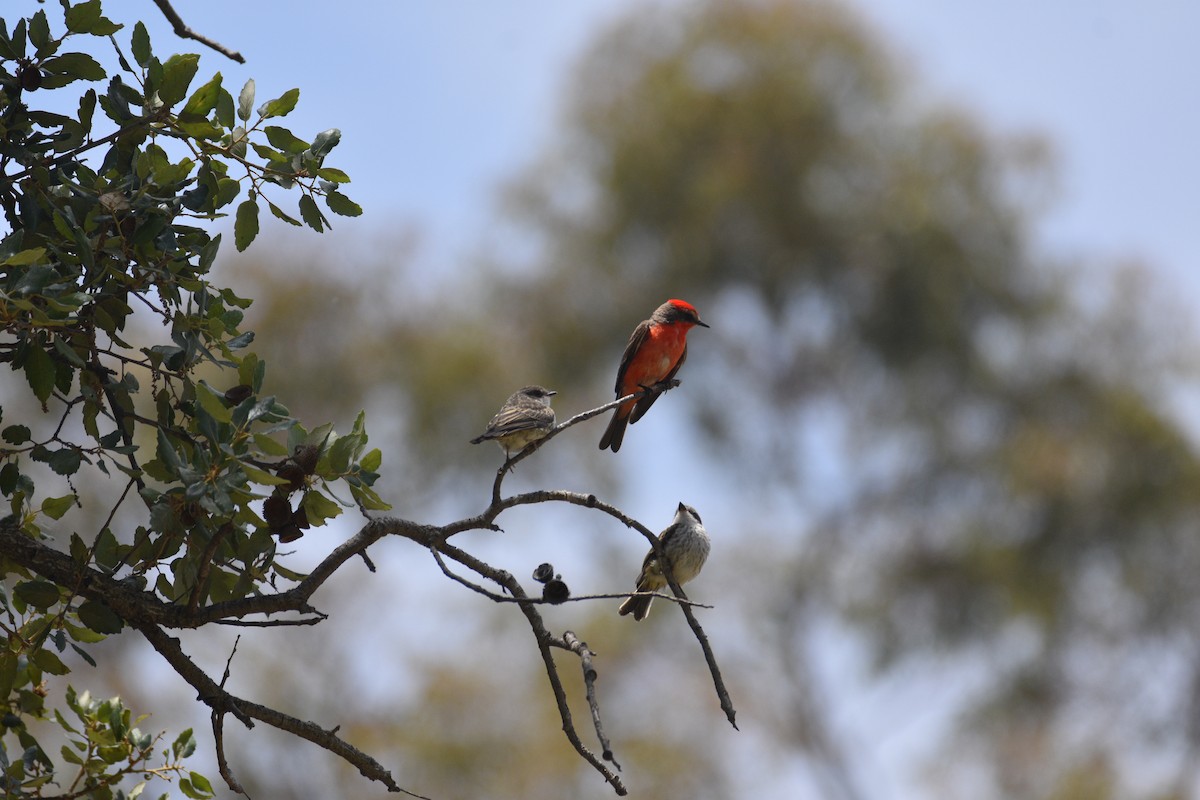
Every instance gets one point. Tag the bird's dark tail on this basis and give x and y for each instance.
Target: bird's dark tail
(614, 434)
(638, 606)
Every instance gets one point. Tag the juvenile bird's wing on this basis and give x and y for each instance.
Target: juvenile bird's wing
(518, 418)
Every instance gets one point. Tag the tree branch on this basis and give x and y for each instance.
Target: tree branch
(579, 647)
(222, 702)
(150, 615)
(184, 32)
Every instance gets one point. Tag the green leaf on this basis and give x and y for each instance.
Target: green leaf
(284, 139)
(246, 101)
(16, 434)
(167, 455)
(319, 508)
(65, 461)
(280, 214)
(141, 45)
(64, 350)
(55, 507)
(262, 477)
(225, 109)
(204, 99)
(39, 31)
(326, 141)
(184, 744)
(212, 403)
(280, 106)
(341, 452)
(372, 460)
(47, 662)
(269, 446)
(368, 499)
(25, 258)
(340, 204)
(310, 213)
(8, 671)
(99, 617)
(331, 174)
(37, 593)
(39, 371)
(245, 226)
(201, 783)
(74, 66)
(70, 756)
(177, 75)
(81, 18)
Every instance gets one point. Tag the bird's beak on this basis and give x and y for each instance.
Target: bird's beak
(681, 506)
(701, 323)
(550, 393)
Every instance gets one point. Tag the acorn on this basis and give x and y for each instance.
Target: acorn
(277, 511)
(555, 591)
(306, 457)
(237, 394)
(30, 77)
(292, 473)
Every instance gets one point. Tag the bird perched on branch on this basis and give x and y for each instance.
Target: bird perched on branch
(655, 352)
(685, 544)
(524, 418)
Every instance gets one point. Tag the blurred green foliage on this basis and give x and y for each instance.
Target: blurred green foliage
(1009, 483)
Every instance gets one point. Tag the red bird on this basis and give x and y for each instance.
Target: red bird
(656, 351)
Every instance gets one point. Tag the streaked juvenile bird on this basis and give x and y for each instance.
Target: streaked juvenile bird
(655, 352)
(524, 418)
(685, 544)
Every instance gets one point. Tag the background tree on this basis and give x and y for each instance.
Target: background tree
(942, 440)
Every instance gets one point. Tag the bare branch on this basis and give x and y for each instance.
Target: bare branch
(184, 32)
(702, 638)
(579, 647)
(222, 702)
(218, 726)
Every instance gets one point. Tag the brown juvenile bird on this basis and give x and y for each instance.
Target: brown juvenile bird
(524, 418)
(685, 544)
(655, 352)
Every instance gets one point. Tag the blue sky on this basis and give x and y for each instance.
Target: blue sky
(439, 102)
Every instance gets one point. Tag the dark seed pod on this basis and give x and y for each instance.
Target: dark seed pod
(306, 456)
(277, 511)
(543, 573)
(293, 474)
(237, 394)
(31, 78)
(555, 592)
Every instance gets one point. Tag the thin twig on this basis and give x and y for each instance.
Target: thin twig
(184, 32)
(702, 638)
(218, 726)
(543, 639)
(579, 647)
(219, 700)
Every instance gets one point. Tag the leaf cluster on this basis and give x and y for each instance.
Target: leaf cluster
(106, 209)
